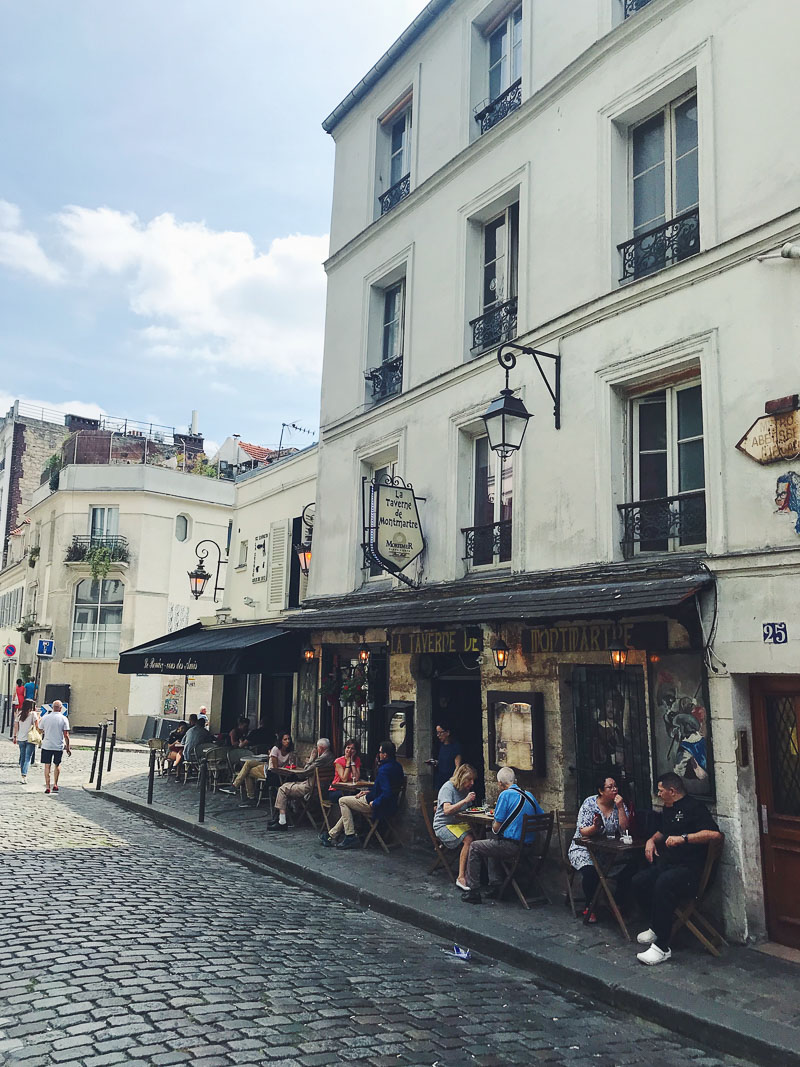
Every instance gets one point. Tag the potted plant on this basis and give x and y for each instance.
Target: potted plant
(330, 688)
(33, 555)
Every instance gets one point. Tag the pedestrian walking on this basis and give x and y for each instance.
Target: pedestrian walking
(55, 740)
(19, 695)
(24, 721)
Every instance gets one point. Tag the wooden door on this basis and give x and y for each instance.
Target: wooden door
(776, 731)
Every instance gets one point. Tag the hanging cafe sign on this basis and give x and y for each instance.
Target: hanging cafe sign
(392, 527)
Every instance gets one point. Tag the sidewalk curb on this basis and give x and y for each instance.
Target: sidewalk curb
(700, 1019)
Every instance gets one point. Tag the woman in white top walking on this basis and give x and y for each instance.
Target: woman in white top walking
(26, 718)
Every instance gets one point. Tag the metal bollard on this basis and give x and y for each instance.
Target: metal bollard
(202, 782)
(102, 755)
(113, 740)
(96, 750)
(150, 774)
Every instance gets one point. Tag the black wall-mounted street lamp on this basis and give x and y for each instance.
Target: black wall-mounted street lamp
(198, 578)
(304, 550)
(363, 653)
(506, 418)
(619, 655)
(308, 653)
(500, 652)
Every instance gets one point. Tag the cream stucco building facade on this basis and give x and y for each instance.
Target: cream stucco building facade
(599, 181)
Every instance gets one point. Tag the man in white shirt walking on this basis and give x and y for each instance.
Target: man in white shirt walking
(55, 739)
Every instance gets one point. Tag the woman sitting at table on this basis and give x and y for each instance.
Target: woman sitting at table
(253, 770)
(602, 815)
(346, 768)
(454, 796)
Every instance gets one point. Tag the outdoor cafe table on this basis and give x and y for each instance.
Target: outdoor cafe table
(606, 853)
(352, 787)
(478, 820)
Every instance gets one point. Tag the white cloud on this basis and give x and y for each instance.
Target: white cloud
(20, 249)
(209, 295)
(49, 409)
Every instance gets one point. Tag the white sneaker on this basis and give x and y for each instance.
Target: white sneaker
(462, 885)
(654, 955)
(23, 780)
(646, 937)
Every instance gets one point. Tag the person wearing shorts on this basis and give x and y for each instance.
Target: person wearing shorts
(55, 740)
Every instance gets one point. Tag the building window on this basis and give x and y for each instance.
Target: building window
(504, 45)
(386, 379)
(395, 146)
(665, 222)
(181, 528)
(242, 554)
(500, 256)
(97, 619)
(488, 541)
(103, 522)
(632, 6)
(668, 511)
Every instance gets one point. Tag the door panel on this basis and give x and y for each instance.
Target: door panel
(611, 732)
(776, 730)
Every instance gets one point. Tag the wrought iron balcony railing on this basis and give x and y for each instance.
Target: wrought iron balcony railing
(495, 327)
(393, 195)
(496, 110)
(665, 524)
(488, 544)
(386, 378)
(632, 6)
(658, 248)
(84, 544)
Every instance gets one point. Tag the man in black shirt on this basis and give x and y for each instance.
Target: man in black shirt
(676, 854)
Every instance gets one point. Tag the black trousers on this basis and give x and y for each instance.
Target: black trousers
(659, 889)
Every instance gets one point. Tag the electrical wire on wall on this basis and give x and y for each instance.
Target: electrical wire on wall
(709, 655)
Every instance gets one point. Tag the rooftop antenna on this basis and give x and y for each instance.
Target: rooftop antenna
(291, 426)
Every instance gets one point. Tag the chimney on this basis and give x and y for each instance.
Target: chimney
(194, 424)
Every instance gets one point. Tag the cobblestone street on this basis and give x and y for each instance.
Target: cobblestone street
(150, 948)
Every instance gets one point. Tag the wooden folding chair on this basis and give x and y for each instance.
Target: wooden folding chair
(565, 831)
(325, 805)
(528, 861)
(389, 838)
(443, 855)
(310, 805)
(688, 914)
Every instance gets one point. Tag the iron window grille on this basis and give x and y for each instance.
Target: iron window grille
(495, 327)
(487, 544)
(665, 524)
(495, 111)
(397, 192)
(386, 379)
(655, 249)
(632, 6)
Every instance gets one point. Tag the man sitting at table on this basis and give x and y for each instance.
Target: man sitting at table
(321, 757)
(378, 803)
(676, 855)
(511, 807)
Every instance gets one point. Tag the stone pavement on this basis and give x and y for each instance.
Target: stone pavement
(745, 1003)
(148, 948)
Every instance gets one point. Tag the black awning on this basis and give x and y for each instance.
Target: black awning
(579, 600)
(202, 649)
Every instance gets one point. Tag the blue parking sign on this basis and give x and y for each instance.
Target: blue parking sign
(45, 648)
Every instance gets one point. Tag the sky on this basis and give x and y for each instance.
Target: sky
(165, 192)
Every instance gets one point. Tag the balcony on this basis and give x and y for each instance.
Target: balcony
(665, 524)
(662, 246)
(495, 111)
(395, 193)
(85, 548)
(495, 327)
(632, 6)
(386, 379)
(485, 545)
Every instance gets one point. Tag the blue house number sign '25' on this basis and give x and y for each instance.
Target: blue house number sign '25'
(774, 633)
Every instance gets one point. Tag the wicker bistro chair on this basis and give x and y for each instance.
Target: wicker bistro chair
(688, 914)
(443, 855)
(565, 831)
(219, 769)
(311, 806)
(325, 805)
(384, 830)
(529, 859)
(159, 746)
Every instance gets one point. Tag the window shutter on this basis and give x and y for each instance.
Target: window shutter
(278, 566)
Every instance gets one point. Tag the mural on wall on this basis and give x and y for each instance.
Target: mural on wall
(787, 496)
(172, 697)
(681, 722)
